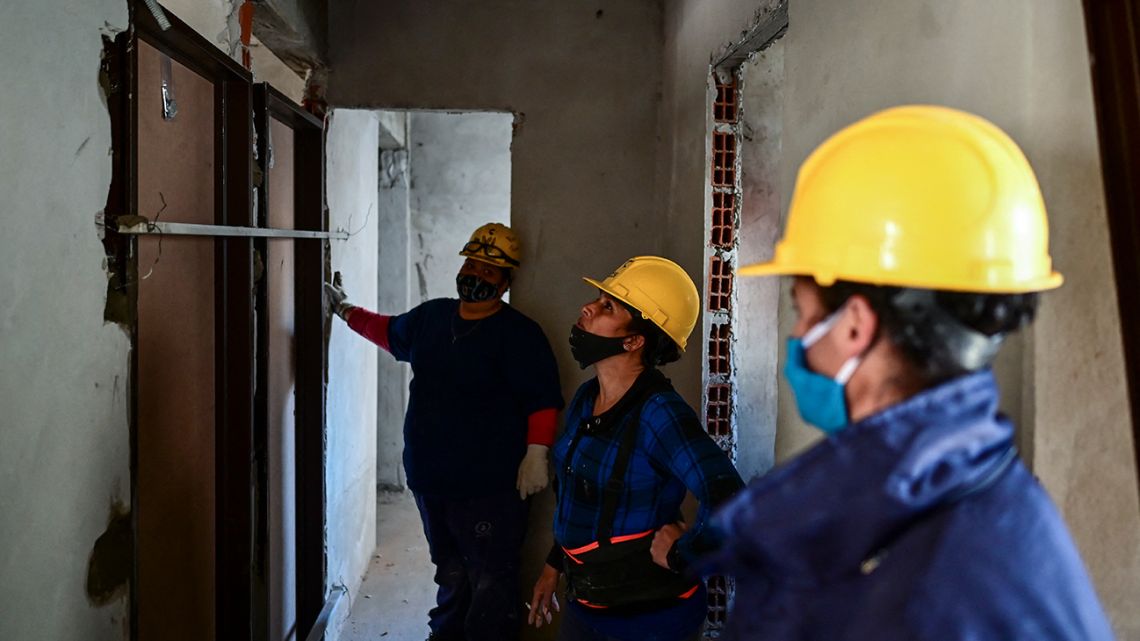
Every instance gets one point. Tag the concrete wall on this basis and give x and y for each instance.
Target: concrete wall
(393, 293)
(352, 150)
(582, 81)
(693, 32)
(758, 299)
(63, 384)
(1023, 65)
(460, 167)
(1082, 433)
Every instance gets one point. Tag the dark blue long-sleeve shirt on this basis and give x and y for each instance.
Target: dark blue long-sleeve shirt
(474, 385)
(917, 523)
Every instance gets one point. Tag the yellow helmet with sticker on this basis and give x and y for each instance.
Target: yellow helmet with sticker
(659, 289)
(496, 244)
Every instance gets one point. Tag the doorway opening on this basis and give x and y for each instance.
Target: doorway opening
(441, 175)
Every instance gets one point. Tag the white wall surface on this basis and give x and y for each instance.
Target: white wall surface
(63, 379)
(393, 281)
(352, 153)
(460, 167)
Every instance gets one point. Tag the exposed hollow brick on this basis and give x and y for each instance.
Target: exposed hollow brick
(718, 411)
(724, 107)
(723, 232)
(719, 345)
(720, 285)
(724, 159)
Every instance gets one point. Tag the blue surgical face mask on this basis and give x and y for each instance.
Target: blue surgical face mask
(820, 399)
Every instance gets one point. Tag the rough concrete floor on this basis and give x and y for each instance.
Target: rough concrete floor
(398, 590)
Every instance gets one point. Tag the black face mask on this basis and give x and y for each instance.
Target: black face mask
(473, 289)
(590, 348)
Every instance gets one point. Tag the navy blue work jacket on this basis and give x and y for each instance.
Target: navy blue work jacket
(918, 523)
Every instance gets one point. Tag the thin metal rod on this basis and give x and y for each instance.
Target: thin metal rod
(318, 631)
(190, 229)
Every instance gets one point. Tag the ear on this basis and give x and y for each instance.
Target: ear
(858, 327)
(633, 343)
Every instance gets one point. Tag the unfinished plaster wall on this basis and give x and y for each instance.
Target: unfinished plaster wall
(352, 153)
(63, 384)
(393, 293)
(757, 315)
(460, 166)
(1023, 65)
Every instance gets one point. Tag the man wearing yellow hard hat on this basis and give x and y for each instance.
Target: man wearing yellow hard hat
(917, 240)
(482, 413)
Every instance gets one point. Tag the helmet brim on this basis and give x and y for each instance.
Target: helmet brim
(616, 296)
(489, 261)
(1052, 280)
(610, 292)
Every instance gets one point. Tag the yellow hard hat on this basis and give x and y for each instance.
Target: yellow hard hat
(496, 244)
(659, 289)
(918, 196)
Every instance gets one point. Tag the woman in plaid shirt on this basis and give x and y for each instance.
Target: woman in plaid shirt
(631, 449)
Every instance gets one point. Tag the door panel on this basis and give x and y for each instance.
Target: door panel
(176, 358)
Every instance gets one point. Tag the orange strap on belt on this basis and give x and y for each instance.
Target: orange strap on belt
(595, 545)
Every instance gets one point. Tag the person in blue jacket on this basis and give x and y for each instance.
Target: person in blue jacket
(917, 239)
(482, 411)
(631, 449)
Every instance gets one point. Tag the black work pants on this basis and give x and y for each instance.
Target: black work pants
(474, 544)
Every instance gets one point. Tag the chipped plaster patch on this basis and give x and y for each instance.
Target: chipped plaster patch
(109, 567)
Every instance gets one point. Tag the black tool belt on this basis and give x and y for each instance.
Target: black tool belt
(621, 577)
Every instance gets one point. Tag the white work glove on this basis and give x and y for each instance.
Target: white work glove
(334, 292)
(532, 471)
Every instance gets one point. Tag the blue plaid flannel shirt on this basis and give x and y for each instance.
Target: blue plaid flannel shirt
(672, 454)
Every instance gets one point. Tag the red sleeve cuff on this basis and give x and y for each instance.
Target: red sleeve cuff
(370, 325)
(540, 427)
